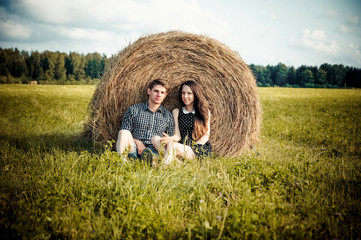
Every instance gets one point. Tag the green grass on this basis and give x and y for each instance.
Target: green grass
(302, 182)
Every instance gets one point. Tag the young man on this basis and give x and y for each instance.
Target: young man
(143, 121)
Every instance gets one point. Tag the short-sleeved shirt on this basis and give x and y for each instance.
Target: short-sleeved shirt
(145, 124)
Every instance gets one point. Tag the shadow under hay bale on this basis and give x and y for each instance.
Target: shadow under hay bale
(228, 84)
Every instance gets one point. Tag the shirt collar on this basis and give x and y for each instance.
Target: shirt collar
(160, 109)
(186, 112)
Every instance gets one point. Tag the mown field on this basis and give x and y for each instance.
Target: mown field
(302, 182)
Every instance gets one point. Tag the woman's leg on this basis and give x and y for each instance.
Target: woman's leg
(156, 143)
(175, 150)
(184, 151)
(169, 155)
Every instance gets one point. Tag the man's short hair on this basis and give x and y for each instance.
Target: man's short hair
(158, 81)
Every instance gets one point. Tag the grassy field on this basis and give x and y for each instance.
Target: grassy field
(302, 182)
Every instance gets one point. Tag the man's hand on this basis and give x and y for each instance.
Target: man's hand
(140, 146)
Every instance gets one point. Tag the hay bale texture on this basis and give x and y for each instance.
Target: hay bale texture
(228, 84)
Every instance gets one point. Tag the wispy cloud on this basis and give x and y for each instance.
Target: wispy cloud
(332, 13)
(111, 23)
(273, 16)
(259, 30)
(86, 34)
(354, 20)
(345, 29)
(316, 40)
(154, 14)
(356, 53)
(11, 30)
(351, 25)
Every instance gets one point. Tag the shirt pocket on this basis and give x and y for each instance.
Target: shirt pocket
(141, 124)
(162, 124)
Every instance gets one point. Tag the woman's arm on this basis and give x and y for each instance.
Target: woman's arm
(202, 140)
(176, 137)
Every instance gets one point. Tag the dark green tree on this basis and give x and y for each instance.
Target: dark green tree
(59, 66)
(48, 65)
(280, 75)
(18, 66)
(306, 78)
(292, 76)
(321, 77)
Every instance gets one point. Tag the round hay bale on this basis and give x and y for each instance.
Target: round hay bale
(228, 84)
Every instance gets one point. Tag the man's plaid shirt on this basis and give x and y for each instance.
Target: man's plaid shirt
(144, 124)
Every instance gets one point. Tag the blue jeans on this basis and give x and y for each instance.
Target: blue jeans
(134, 154)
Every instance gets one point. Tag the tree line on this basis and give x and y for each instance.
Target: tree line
(61, 68)
(325, 76)
(50, 67)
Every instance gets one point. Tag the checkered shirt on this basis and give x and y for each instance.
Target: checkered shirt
(145, 124)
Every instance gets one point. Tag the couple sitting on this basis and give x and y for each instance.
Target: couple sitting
(149, 128)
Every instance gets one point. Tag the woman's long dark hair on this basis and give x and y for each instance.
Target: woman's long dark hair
(200, 108)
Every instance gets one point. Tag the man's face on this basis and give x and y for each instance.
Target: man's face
(157, 94)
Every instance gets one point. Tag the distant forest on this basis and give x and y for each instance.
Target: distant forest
(50, 67)
(61, 68)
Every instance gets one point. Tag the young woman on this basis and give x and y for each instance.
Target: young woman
(192, 126)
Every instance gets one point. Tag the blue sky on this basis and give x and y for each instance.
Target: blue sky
(294, 32)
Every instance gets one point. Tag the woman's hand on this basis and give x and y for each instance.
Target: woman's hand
(166, 139)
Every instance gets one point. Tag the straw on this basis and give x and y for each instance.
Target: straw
(227, 82)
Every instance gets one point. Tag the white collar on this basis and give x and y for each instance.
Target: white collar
(186, 112)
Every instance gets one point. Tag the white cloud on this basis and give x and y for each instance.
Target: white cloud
(354, 20)
(186, 15)
(345, 29)
(332, 13)
(84, 24)
(86, 34)
(79, 11)
(10, 29)
(153, 15)
(347, 18)
(109, 25)
(317, 40)
(354, 47)
(273, 16)
(13, 30)
(46, 11)
(355, 51)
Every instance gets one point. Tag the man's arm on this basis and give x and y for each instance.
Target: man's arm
(170, 128)
(172, 136)
(140, 145)
(127, 123)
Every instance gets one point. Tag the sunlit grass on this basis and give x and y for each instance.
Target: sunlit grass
(302, 181)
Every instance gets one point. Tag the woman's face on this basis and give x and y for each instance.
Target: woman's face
(187, 95)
